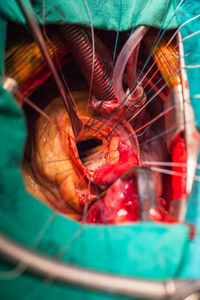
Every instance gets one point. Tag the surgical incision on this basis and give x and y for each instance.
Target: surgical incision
(85, 177)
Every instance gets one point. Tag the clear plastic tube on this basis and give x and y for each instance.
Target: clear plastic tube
(132, 66)
(125, 54)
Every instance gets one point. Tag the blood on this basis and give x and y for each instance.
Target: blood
(179, 156)
(120, 205)
(105, 107)
(108, 173)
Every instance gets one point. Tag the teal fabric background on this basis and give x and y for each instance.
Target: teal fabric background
(144, 250)
(104, 13)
